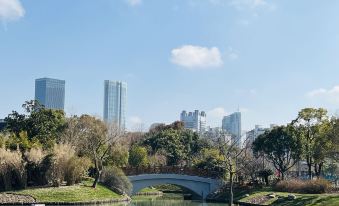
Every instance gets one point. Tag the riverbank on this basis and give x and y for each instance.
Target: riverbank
(266, 196)
(82, 193)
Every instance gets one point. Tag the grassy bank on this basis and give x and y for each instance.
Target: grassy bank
(78, 193)
(281, 199)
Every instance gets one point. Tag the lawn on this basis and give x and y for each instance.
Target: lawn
(78, 193)
(301, 199)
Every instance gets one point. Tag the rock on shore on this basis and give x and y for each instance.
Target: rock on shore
(15, 198)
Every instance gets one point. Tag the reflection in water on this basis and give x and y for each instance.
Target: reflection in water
(166, 200)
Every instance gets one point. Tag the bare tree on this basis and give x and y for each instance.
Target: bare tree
(230, 150)
(94, 138)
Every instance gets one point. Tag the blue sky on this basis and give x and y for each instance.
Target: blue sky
(270, 58)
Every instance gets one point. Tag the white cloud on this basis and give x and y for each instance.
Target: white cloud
(232, 54)
(135, 120)
(11, 10)
(214, 116)
(134, 2)
(330, 95)
(196, 57)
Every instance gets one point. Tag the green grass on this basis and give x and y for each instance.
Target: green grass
(78, 193)
(149, 190)
(301, 199)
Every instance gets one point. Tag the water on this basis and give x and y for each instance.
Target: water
(166, 200)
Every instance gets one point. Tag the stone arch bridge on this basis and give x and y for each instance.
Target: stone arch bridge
(200, 182)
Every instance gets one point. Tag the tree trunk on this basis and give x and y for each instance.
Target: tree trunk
(317, 169)
(97, 177)
(266, 180)
(282, 175)
(309, 165)
(231, 187)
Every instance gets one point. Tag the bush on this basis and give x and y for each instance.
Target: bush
(34, 158)
(138, 156)
(115, 179)
(12, 170)
(76, 169)
(64, 165)
(304, 186)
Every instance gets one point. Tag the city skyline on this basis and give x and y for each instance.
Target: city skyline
(175, 55)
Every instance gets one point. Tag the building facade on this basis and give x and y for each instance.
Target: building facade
(50, 93)
(258, 130)
(232, 125)
(195, 121)
(254, 133)
(115, 94)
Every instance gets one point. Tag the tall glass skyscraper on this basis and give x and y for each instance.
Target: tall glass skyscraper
(50, 93)
(232, 124)
(115, 103)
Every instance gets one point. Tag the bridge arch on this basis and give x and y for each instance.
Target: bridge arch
(200, 186)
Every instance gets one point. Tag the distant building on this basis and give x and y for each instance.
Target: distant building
(232, 124)
(154, 125)
(195, 121)
(115, 93)
(257, 131)
(254, 133)
(50, 93)
(216, 133)
(2, 124)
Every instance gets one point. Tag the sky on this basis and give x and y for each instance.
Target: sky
(267, 58)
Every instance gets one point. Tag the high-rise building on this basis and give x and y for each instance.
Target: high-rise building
(50, 93)
(232, 124)
(195, 121)
(115, 103)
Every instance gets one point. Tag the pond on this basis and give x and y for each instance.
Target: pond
(166, 200)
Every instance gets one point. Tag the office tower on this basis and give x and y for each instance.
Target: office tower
(50, 93)
(115, 103)
(195, 121)
(232, 124)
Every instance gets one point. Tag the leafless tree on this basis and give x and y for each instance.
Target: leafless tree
(94, 138)
(231, 152)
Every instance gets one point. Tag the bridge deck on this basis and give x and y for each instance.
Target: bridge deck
(214, 174)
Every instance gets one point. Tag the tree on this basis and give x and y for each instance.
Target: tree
(231, 153)
(178, 144)
(96, 140)
(265, 173)
(210, 159)
(40, 123)
(280, 146)
(137, 156)
(312, 125)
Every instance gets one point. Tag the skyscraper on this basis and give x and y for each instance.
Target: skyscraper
(115, 103)
(232, 124)
(195, 121)
(50, 93)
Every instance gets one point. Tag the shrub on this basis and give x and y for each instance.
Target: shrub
(76, 169)
(35, 174)
(115, 179)
(12, 170)
(303, 186)
(138, 156)
(62, 154)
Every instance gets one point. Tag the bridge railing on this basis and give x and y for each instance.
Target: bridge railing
(130, 171)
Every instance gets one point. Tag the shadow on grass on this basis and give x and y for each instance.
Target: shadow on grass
(307, 200)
